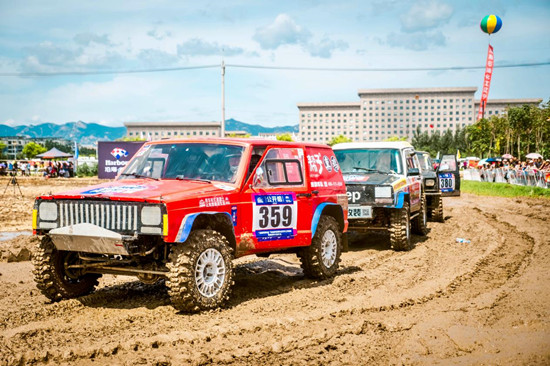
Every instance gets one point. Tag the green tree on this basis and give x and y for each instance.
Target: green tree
(338, 140)
(127, 138)
(2, 148)
(284, 137)
(396, 138)
(32, 149)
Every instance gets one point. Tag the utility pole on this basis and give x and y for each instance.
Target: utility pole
(222, 127)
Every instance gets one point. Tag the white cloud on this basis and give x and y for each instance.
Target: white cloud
(326, 47)
(156, 58)
(158, 35)
(85, 39)
(425, 14)
(282, 31)
(198, 47)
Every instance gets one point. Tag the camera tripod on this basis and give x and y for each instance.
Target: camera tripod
(13, 181)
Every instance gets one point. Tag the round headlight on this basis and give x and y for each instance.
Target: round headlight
(430, 182)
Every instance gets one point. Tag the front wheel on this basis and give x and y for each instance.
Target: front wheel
(55, 275)
(437, 212)
(420, 222)
(320, 260)
(400, 233)
(201, 272)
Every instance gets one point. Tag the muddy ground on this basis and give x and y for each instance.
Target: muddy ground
(486, 302)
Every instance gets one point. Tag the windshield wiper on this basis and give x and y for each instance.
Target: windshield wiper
(373, 170)
(139, 176)
(181, 177)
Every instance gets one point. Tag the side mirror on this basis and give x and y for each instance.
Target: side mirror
(413, 171)
(259, 176)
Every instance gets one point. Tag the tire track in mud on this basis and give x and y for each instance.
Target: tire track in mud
(332, 328)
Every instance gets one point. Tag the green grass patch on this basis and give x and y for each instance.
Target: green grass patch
(502, 189)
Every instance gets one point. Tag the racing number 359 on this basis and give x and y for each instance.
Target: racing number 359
(275, 216)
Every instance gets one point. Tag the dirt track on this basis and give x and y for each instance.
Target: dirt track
(487, 302)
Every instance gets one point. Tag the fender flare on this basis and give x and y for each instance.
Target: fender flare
(189, 220)
(317, 215)
(400, 199)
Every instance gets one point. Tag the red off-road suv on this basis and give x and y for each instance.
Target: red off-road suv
(182, 210)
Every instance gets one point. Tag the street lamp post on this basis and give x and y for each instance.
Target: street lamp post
(222, 126)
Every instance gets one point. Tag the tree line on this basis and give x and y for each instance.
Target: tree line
(522, 130)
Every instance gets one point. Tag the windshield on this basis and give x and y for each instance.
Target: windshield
(186, 161)
(426, 164)
(369, 160)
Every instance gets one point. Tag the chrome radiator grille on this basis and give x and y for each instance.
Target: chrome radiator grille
(114, 216)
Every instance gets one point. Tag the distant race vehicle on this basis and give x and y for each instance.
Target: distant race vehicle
(449, 176)
(384, 189)
(432, 189)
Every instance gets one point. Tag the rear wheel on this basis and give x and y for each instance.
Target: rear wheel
(400, 233)
(201, 272)
(419, 223)
(320, 260)
(53, 275)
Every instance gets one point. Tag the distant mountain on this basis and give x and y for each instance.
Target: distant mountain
(90, 133)
(234, 125)
(84, 133)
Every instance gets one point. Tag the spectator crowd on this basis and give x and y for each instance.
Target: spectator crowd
(47, 169)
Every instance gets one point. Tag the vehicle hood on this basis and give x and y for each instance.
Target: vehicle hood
(147, 190)
(374, 179)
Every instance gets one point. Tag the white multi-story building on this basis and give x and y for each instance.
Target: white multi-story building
(384, 113)
(498, 107)
(162, 130)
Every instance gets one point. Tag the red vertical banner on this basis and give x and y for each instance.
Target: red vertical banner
(486, 82)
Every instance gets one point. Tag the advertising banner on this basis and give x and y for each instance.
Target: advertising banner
(486, 82)
(113, 156)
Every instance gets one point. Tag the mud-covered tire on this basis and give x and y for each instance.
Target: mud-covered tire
(320, 260)
(400, 234)
(200, 272)
(53, 279)
(437, 212)
(420, 222)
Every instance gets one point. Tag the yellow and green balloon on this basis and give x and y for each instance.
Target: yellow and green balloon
(491, 24)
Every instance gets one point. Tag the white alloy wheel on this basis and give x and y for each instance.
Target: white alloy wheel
(329, 247)
(210, 272)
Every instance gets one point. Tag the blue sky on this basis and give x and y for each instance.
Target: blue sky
(58, 36)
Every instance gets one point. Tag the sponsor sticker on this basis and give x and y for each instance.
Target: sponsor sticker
(355, 178)
(335, 164)
(143, 150)
(117, 189)
(328, 164)
(214, 201)
(274, 216)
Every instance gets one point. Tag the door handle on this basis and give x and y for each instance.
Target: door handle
(308, 195)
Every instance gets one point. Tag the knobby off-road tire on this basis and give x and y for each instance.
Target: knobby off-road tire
(437, 212)
(400, 234)
(53, 279)
(200, 272)
(320, 260)
(420, 222)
